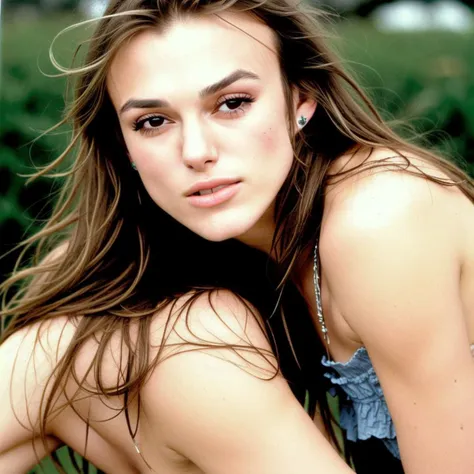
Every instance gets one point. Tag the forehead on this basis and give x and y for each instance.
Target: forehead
(190, 54)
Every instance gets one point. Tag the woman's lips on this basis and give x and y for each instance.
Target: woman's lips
(216, 196)
(209, 185)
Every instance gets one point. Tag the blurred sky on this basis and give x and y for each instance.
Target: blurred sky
(412, 15)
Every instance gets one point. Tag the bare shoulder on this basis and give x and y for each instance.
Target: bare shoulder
(208, 395)
(389, 242)
(216, 354)
(382, 200)
(217, 322)
(380, 172)
(28, 358)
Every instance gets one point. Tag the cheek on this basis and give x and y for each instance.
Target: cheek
(155, 172)
(274, 136)
(269, 140)
(275, 142)
(150, 160)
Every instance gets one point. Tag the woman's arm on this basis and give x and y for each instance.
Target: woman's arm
(392, 258)
(218, 409)
(24, 374)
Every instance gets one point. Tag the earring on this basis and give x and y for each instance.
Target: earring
(134, 166)
(302, 121)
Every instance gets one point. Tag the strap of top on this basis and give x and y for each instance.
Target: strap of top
(317, 293)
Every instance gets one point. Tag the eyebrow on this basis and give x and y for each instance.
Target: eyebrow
(207, 91)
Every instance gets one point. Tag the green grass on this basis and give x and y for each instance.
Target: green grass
(426, 77)
(400, 55)
(47, 466)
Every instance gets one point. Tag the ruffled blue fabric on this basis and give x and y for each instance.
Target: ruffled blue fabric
(364, 412)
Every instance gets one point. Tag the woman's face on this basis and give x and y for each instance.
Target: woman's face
(203, 115)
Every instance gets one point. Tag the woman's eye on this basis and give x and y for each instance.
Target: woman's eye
(234, 104)
(149, 123)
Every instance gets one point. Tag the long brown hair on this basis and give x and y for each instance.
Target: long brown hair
(110, 255)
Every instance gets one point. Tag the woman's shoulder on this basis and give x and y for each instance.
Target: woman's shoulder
(208, 396)
(366, 214)
(202, 334)
(214, 321)
(389, 241)
(379, 190)
(31, 353)
(379, 173)
(28, 358)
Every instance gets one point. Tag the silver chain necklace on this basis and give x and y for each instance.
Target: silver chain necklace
(317, 291)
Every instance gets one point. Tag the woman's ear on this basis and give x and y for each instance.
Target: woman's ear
(304, 108)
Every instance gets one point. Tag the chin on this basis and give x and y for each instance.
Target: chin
(218, 232)
(218, 235)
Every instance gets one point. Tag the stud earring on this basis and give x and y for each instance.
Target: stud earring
(134, 166)
(302, 121)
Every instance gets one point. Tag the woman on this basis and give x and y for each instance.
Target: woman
(210, 136)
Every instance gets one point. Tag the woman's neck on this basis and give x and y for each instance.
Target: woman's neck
(260, 236)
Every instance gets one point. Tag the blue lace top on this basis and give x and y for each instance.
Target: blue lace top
(363, 412)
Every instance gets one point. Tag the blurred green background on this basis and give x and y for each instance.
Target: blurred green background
(426, 77)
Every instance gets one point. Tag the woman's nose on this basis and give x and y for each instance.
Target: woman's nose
(198, 150)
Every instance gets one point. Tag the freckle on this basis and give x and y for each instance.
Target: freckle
(455, 381)
(462, 428)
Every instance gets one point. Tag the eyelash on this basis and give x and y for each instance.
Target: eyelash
(245, 99)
